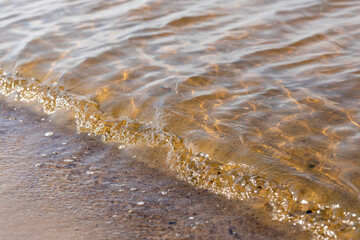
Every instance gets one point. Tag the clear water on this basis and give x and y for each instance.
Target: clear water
(252, 99)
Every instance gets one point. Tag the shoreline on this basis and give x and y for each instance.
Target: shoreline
(73, 186)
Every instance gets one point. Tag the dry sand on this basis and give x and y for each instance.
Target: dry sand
(73, 186)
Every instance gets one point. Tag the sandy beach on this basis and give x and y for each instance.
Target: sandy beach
(56, 184)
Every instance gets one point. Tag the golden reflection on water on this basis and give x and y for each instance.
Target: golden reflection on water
(272, 85)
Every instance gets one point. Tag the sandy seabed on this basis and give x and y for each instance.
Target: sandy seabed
(73, 186)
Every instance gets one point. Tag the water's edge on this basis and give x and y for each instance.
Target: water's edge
(235, 181)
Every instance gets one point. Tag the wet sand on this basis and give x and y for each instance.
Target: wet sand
(71, 186)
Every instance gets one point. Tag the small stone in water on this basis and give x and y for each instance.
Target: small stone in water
(140, 203)
(121, 146)
(163, 193)
(49, 134)
(64, 143)
(133, 189)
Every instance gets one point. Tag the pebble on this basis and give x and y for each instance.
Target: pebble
(134, 156)
(64, 143)
(133, 189)
(140, 203)
(49, 134)
(191, 218)
(121, 146)
(90, 172)
(69, 160)
(164, 193)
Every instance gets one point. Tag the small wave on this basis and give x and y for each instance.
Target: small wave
(236, 181)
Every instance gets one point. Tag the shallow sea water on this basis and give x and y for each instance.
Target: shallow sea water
(252, 99)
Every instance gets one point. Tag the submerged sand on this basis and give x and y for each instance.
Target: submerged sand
(70, 186)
